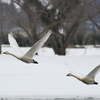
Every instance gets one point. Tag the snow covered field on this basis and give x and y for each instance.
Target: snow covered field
(48, 78)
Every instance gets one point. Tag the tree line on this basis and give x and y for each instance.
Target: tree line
(71, 21)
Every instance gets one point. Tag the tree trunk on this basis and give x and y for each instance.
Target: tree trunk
(58, 47)
(71, 33)
(0, 45)
(0, 49)
(62, 51)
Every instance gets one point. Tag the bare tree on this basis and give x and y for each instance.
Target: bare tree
(28, 17)
(63, 17)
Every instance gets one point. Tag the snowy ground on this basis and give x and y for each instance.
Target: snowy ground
(48, 78)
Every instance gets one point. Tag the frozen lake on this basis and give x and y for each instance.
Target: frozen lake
(48, 80)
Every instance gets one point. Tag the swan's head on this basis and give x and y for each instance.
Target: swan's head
(35, 61)
(69, 74)
(6, 52)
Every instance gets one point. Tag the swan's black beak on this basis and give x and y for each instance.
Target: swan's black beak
(68, 74)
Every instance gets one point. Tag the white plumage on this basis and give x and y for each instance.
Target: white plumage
(27, 57)
(87, 79)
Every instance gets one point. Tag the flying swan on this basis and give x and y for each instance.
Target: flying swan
(27, 58)
(87, 79)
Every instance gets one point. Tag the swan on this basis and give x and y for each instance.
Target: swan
(27, 58)
(87, 79)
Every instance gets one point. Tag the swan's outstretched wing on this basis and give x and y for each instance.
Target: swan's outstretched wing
(14, 45)
(93, 73)
(74, 72)
(38, 45)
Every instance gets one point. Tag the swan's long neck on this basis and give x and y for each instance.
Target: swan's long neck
(13, 55)
(75, 76)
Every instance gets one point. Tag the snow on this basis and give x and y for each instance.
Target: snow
(48, 78)
(83, 51)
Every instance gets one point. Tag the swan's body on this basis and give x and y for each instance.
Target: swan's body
(27, 58)
(87, 79)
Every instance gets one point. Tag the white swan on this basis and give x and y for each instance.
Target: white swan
(27, 58)
(87, 79)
